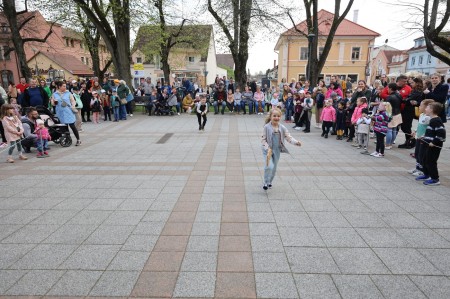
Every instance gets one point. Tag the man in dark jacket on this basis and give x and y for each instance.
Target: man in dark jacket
(34, 96)
(29, 126)
(85, 96)
(220, 99)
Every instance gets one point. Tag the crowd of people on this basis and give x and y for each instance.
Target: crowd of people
(72, 102)
(378, 110)
(352, 111)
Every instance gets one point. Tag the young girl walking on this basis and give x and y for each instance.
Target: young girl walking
(96, 107)
(202, 109)
(273, 137)
(43, 137)
(13, 131)
(380, 127)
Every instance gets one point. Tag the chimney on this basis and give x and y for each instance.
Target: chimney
(355, 16)
(274, 63)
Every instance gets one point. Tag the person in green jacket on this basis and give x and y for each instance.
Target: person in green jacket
(122, 92)
(47, 91)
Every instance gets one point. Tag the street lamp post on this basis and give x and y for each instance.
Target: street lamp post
(310, 44)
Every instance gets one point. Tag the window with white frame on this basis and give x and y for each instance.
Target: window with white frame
(87, 61)
(138, 59)
(356, 53)
(413, 61)
(320, 52)
(429, 59)
(304, 53)
(82, 59)
(420, 59)
(191, 59)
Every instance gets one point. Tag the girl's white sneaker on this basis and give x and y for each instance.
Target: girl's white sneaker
(374, 154)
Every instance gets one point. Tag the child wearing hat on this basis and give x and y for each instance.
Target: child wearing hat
(43, 137)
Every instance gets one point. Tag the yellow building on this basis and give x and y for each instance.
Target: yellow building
(349, 54)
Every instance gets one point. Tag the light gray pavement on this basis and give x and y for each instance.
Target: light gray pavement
(124, 215)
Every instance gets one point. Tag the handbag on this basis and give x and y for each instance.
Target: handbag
(396, 120)
(123, 101)
(129, 97)
(416, 112)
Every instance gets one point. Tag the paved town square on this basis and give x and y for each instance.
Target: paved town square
(153, 208)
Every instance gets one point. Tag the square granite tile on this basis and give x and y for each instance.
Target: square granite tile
(406, 261)
(356, 286)
(397, 286)
(195, 284)
(311, 260)
(316, 286)
(36, 282)
(75, 283)
(275, 285)
(115, 283)
(358, 261)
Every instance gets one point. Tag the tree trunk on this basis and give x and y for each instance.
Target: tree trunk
(240, 73)
(118, 40)
(165, 66)
(9, 8)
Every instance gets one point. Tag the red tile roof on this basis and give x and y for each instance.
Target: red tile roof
(346, 28)
(68, 62)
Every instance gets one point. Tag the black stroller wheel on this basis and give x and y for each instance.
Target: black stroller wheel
(65, 141)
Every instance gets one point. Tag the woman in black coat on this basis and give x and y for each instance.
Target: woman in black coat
(438, 92)
(408, 113)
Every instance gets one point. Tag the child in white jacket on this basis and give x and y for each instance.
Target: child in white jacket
(363, 129)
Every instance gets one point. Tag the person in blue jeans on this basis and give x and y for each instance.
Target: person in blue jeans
(289, 106)
(247, 98)
(115, 104)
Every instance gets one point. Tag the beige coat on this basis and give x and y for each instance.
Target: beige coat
(10, 126)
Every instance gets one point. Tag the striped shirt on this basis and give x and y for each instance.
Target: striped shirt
(435, 132)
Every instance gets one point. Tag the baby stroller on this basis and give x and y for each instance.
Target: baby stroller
(59, 132)
(163, 108)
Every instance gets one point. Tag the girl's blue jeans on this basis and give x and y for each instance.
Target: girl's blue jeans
(116, 113)
(271, 169)
(391, 135)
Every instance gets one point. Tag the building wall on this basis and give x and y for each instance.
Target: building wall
(339, 61)
(378, 66)
(56, 43)
(428, 65)
(180, 65)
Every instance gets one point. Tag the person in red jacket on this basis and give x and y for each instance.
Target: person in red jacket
(407, 115)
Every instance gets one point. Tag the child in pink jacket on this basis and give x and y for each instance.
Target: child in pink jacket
(361, 103)
(328, 117)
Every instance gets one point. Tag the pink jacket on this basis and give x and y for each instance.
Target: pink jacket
(43, 133)
(258, 96)
(358, 113)
(338, 91)
(328, 114)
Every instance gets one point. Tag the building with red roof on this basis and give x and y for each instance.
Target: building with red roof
(349, 54)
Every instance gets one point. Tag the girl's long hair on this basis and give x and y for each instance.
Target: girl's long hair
(5, 109)
(419, 84)
(388, 107)
(268, 117)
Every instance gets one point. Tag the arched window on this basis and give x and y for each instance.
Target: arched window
(7, 76)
